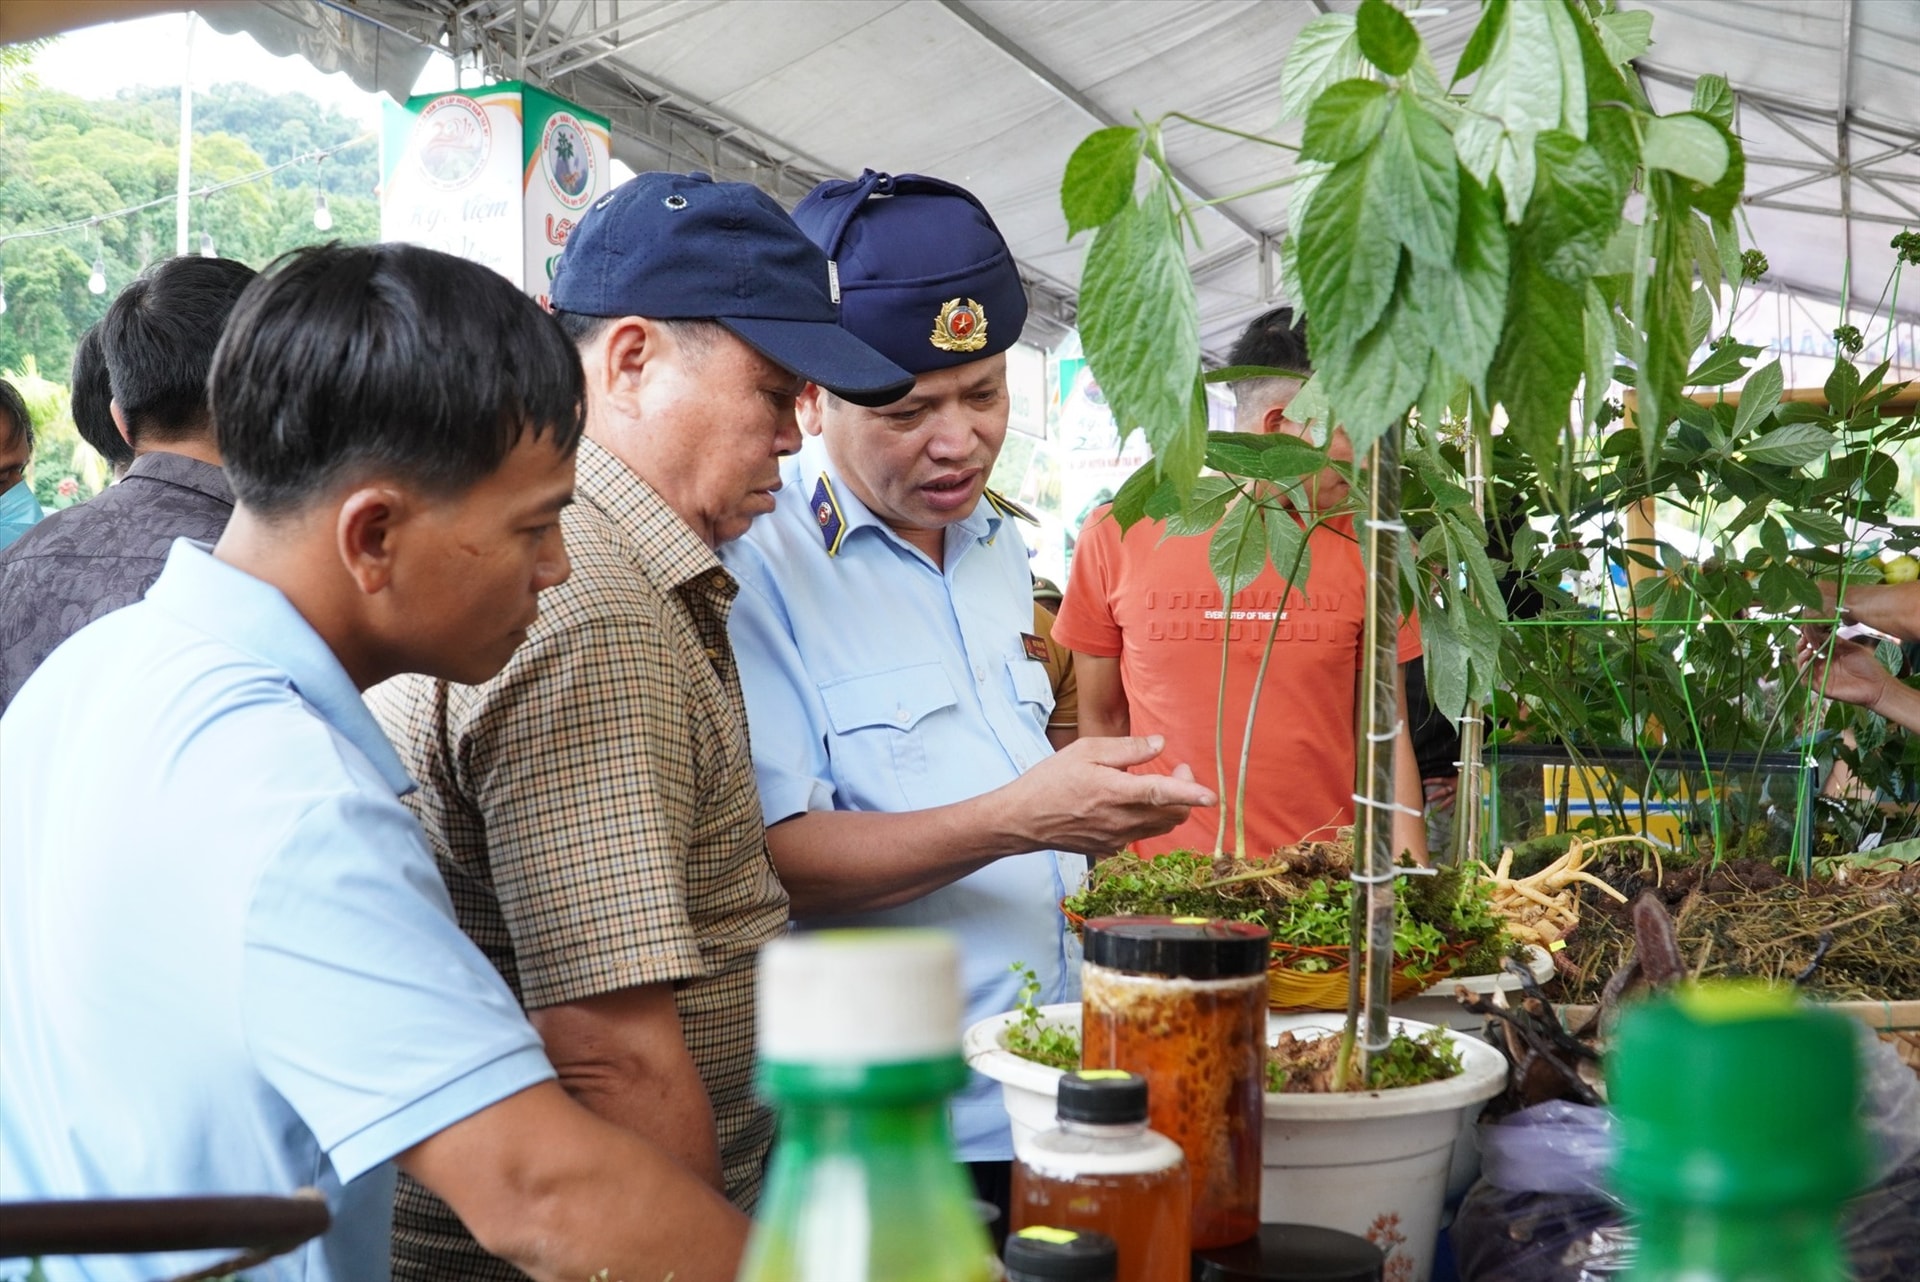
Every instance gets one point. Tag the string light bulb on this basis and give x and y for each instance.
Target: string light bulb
(206, 245)
(322, 216)
(97, 283)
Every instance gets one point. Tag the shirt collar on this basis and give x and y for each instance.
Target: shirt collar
(253, 616)
(667, 550)
(188, 473)
(813, 463)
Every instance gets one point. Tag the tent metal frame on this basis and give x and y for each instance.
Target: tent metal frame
(573, 47)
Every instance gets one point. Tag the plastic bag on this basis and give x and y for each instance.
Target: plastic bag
(1540, 1211)
(1556, 1147)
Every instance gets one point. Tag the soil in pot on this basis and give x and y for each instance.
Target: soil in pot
(1306, 1065)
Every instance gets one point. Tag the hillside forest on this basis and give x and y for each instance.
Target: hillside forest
(65, 159)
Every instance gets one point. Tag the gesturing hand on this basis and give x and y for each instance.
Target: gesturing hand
(1082, 799)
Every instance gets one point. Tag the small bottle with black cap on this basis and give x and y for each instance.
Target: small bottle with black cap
(1102, 1169)
(1042, 1253)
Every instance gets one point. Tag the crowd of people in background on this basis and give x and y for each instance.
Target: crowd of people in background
(408, 756)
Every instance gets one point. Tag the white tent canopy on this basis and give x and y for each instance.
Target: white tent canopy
(995, 94)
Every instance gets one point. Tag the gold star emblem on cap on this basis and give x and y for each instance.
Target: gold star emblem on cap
(961, 326)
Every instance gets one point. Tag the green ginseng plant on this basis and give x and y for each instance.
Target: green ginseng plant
(1460, 249)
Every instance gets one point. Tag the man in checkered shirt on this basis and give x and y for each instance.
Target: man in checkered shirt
(593, 808)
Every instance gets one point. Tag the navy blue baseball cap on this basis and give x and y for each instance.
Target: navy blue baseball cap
(923, 274)
(684, 247)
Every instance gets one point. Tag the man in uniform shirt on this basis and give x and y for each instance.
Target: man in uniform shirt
(593, 807)
(243, 975)
(898, 695)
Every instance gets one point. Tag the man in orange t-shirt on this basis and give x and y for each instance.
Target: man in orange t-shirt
(1143, 619)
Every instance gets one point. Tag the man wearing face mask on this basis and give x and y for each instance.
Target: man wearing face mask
(897, 693)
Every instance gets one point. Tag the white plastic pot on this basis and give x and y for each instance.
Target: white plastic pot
(1027, 1088)
(1437, 1005)
(1374, 1164)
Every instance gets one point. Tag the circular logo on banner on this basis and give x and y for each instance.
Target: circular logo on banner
(567, 155)
(455, 141)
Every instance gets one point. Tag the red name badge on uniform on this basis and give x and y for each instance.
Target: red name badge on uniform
(1036, 647)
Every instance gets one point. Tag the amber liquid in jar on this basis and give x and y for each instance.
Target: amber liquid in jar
(1201, 1045)
(1145, 1213)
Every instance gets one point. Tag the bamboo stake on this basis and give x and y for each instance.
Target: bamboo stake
(1467, 818)
(1380, 728)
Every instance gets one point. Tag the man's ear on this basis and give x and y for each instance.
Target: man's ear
(1273, 420)
(616, 362)
(811, 408)
(368, 532)
(120, 421)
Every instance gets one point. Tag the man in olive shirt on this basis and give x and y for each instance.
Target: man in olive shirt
(593, 807)
(95, 557)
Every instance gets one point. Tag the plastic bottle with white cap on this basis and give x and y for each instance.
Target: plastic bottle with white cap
(859, 1045)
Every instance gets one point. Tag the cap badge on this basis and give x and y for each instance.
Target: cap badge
(961, 327)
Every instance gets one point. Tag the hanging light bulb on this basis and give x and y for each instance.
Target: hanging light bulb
(97, 283)
(3, 298)
(322, 216)
(206, 245)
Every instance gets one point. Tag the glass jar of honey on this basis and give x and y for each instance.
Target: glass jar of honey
(1183, 1003)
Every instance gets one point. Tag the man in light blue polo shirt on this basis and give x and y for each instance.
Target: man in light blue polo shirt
(896, 695)
(243, 974)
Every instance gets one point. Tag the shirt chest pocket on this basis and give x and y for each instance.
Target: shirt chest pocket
(882, 725)
(1032, 689)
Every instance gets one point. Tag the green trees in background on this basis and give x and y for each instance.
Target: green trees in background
(64, 159)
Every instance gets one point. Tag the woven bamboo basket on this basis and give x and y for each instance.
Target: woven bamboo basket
(1291, 989)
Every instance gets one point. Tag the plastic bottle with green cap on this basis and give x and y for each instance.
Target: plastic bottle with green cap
(859, 1041)
(1740, 1136)
(1040, 1253)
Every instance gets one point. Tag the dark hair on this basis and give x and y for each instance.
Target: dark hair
(1273, 340)
(93, 400)
(13, 408)
(344, 361)
(159, 337)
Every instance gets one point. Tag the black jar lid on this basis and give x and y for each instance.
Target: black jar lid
(1293, 1253)
(1102, 1097)
(1177, 947)
(1060, 1255)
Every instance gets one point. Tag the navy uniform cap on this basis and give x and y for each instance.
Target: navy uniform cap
(682, 246)
(924, 276)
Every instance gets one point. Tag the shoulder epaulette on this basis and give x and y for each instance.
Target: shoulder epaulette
(825, 506)
(1007, 507)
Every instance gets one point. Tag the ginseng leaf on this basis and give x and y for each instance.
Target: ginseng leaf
(1795, 445)
(1326, 51)
(1347, 256)
(1344, 120)
(1686, 144)
(1141, 328)
(1237, 552)
(1287, 547)
(1099, 177)
(1387, 39)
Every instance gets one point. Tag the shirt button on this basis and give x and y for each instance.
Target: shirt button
(979, 673)
(901, 716)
